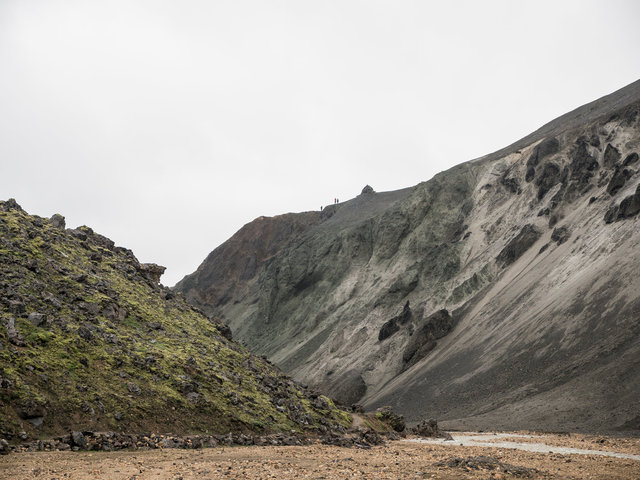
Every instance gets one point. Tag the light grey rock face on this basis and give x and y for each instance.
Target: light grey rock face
(502, 293)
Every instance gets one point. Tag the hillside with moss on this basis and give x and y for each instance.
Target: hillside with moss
(89, 340)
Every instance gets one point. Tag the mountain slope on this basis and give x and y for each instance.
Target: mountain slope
(90, 341)
(499, 293)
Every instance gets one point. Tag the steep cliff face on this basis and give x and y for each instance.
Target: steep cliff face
(501, 292)
(231, 268)
(90, 341)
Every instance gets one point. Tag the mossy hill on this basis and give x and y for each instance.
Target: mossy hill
(90, 341)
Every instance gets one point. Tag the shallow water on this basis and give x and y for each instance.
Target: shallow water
(487, 440)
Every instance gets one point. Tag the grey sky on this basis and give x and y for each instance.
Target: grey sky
(167, 125)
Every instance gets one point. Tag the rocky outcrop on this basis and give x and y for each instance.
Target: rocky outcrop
(611, 156)
(618, 179)
(424, 338)
(547, 147)
(528, 235)
(548, 178)
(512, 246)
(151, 272)
(582, 167)
(631, 159)
(628, 207)
(393, 325)
(58, 221)
(429, 429)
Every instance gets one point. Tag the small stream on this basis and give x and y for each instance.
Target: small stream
(497, 440)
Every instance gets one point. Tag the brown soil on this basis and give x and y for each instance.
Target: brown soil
(395, 460)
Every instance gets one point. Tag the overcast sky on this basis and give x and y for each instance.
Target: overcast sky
(167, 125)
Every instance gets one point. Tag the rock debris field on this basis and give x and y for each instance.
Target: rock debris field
(401, 459)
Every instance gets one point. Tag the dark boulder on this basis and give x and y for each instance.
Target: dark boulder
(368, 189)
(611, 214)
(548, 178)
(79, 234)
(151, 272)
(582, 165)
(630, 206)
(388, 328)
(619, 178)
(392, 326)
(530, 175)
(78, 439)
(423, 340)
(58, 221)
(547, 147)
(518, 245)
(611, 156)
(630, 160)
(102, 241)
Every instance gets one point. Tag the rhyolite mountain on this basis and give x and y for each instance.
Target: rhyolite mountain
(502, 293)
(89, 340)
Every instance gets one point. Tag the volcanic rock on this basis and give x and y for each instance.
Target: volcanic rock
(58, 221)
(619, 178)
(316, 292)
(528, 235)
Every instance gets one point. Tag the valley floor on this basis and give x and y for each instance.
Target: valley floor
(404, 459)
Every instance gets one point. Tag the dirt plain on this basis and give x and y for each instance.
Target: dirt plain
(394, 460)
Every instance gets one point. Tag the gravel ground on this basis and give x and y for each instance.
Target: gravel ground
(395, 460)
